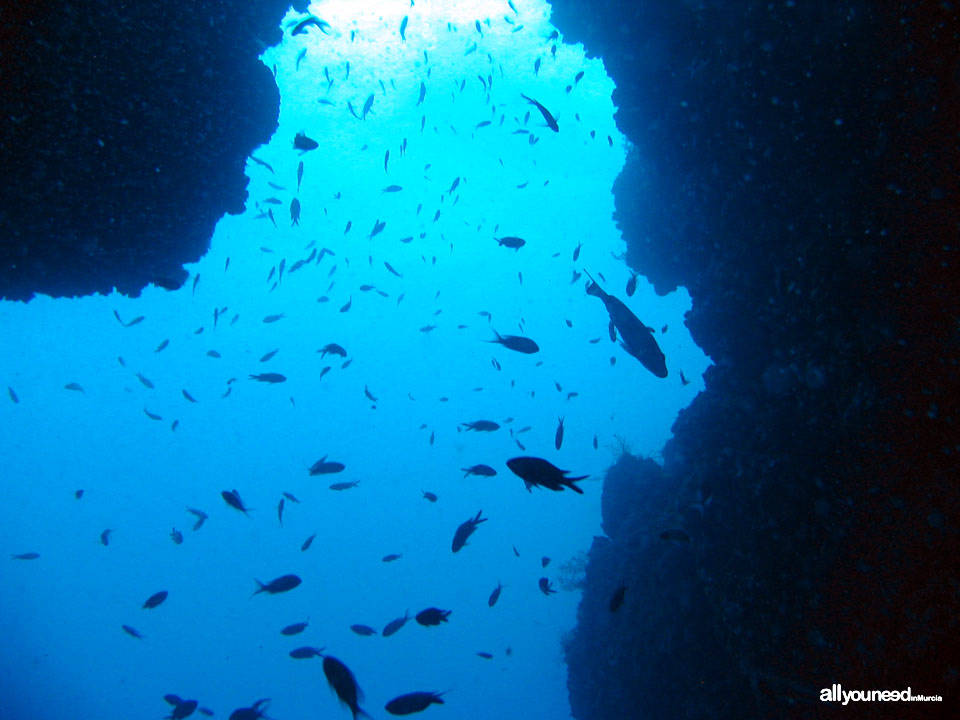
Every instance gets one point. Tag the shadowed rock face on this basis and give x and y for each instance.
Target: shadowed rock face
(792, 170)
(125, 136)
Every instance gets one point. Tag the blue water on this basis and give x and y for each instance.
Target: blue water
(64, 652)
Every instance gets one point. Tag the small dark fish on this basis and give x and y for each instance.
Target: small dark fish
(25, 556)
(595, 442)
(268, 355)
(304, 653)
(423, 94)
(183, 709)
(152, 416)
(576, 251)
(200, 515)
(280, 512)
(432, 616)
(162, 345)
(78, 494)
(307, 543)
(683, 379)
(272, 378)
(485, 655)
(132, 632)
(545, 587)
(391, 557)
(176, 536)
(394, 625)
(390, 269)
(429, 496)
(481, 426)
(676, 535)
(378, 227)
(303, 25)
(346, 306)
(232, 498)
(344, 684)
(495, 595)
(367, 107)
(139, 319)
(403, 28)
(105, 537)
(272, 219)
(75, 387)
(392, 188)
(413, 702)
(269, 319)
(155, 599)
(145, 381)
(632, 284)
(282, 584)
(303, 143)
(295, 629)
(558, 437)
(325, 467)
(635, 337)
(513, 243)
(482, 470)
(344, 485)
(294, 212)
(188, 396)
(544, 561)
(300, 166)
(363, 630)
(465, 530)
(516, 343)
(538, 472)
(617, 599)
(300, 56)
(370, 397)
(547, 117)
(332, 349)
(260, 162)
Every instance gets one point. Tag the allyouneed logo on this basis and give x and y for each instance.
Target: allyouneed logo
(836, 693)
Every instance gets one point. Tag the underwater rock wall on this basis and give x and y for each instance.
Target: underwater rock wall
(125, 135)
(791, 168)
